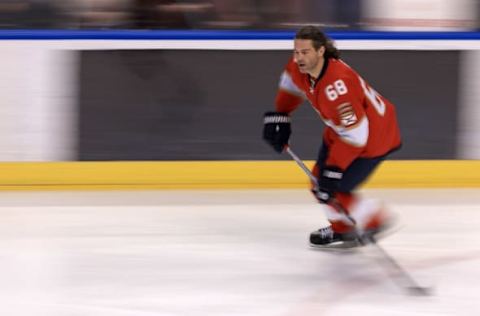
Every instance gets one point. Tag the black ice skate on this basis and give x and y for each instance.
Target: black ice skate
(327, 238)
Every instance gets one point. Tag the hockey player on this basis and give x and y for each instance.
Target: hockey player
(361, 129)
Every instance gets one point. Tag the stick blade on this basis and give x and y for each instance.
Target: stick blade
(420, 291)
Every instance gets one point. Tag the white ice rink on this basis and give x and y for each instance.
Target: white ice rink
(229, 253)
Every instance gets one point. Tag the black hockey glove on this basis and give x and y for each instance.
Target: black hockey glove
(276, 129)
(328, 183)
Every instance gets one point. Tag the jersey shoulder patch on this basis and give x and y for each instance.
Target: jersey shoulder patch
(347, 114)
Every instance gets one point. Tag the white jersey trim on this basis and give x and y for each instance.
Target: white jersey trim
(286, 83)
(356, 135)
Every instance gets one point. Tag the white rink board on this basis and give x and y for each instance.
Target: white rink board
(204, 253)
(39, 88)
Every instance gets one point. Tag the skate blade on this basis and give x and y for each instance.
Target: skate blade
(342, 245)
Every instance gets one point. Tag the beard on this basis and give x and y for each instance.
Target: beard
(306, 68)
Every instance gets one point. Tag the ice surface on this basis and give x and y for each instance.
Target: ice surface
(235, 252)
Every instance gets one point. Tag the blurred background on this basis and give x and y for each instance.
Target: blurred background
(150, 100)
(248, 14)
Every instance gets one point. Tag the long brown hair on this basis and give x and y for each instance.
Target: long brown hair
(318, 39)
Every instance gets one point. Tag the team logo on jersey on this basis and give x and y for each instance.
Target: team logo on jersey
(347, 114)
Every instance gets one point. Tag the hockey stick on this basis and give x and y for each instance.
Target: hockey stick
(315, 181)
(408, 282)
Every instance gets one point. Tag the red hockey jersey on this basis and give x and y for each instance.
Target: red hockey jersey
(359, 121)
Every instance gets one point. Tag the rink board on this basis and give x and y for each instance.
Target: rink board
(168, 106)
(222, 175)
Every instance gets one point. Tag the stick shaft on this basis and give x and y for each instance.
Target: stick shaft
(307, 171)
(302, 165)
